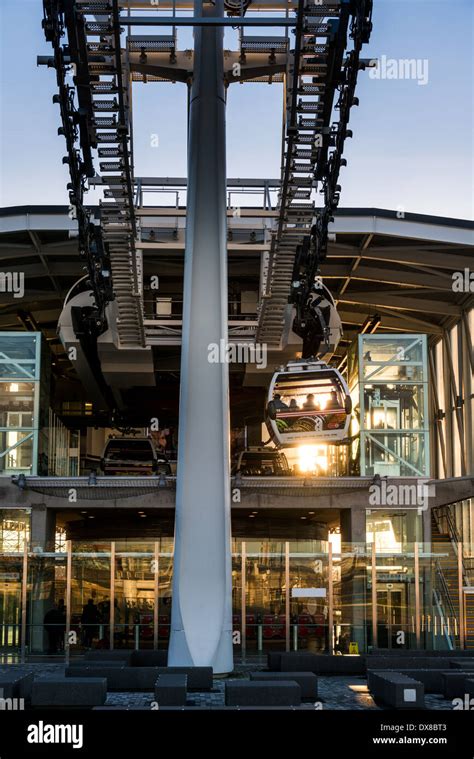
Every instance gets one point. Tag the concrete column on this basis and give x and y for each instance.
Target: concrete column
(41, 575)
(42, 528)
(353, 576)
(201, 621)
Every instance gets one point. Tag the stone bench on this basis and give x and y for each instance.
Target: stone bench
(199, 678)
(119, 678)
(81, 663)
(419, 652)
(260, 693)
(274, 660)
(321, 664)
(454, 685)
(407, 662)
(149, 658)
(397, 690)
(432, 679)
(292, 661)
(69, 691)
(124, 708)
(16, 684)
(307, 681)
(103, 654)
(464, 664)
(170, 690)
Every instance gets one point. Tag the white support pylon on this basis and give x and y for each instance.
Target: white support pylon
(201, 620)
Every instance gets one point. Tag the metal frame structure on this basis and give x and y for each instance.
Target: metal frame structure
(316, 77)
(371, 379)
(31, 433)
(318, 71)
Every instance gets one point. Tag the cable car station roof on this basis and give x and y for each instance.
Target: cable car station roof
(400, 269)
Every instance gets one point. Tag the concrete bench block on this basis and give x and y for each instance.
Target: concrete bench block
(410, 652)
(274, 660)
(16, 684)
(119, 678)
(432, 679)
(149, 658)
(199, 678)
(170, 690)
(259, 693)
(464, 664)
(346, 665)
(184, 708)
(129, 708)
(397, 690)
(307, 681)
(69, 691)
(322, 664)
(454, 685)
(408, 662)
(102, 654)
(81, 663)
(300, 661)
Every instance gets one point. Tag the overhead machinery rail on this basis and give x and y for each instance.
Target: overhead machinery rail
(319, 77)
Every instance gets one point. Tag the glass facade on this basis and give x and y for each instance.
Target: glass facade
(452, 386)
(19, 402)
(389, 387)
(300, 595)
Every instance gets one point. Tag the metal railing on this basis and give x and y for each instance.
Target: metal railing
(443, 602)
(447, 526)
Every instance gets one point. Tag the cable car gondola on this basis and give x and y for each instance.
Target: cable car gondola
(308, 402)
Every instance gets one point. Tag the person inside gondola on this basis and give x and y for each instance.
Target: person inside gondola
(310, 405)
(333, 402)
(279, 404)
(293, 405)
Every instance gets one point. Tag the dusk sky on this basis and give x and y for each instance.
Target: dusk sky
(411, 141)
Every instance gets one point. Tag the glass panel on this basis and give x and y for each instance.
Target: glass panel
(395, 599)
(90, 598)
(265, 596)
(14, 530)
(237, 605)
(393, 358)
(393, 407)
(10, 602)
(165, 591)
(18, 356)
(393, 532)
(134, 599)
(351, 599)
(16, 452)
(16, 404)
(395, 454)
(46, 604)
(309, 611)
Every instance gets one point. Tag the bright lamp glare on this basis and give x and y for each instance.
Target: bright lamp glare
(312, 458)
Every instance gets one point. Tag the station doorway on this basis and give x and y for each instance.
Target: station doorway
(392, 614)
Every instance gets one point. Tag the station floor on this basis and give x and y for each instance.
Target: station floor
(334, 693)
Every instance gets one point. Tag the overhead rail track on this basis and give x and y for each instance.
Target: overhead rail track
(312, 154)
(319, 77)
(102, 82)
(76, 129)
